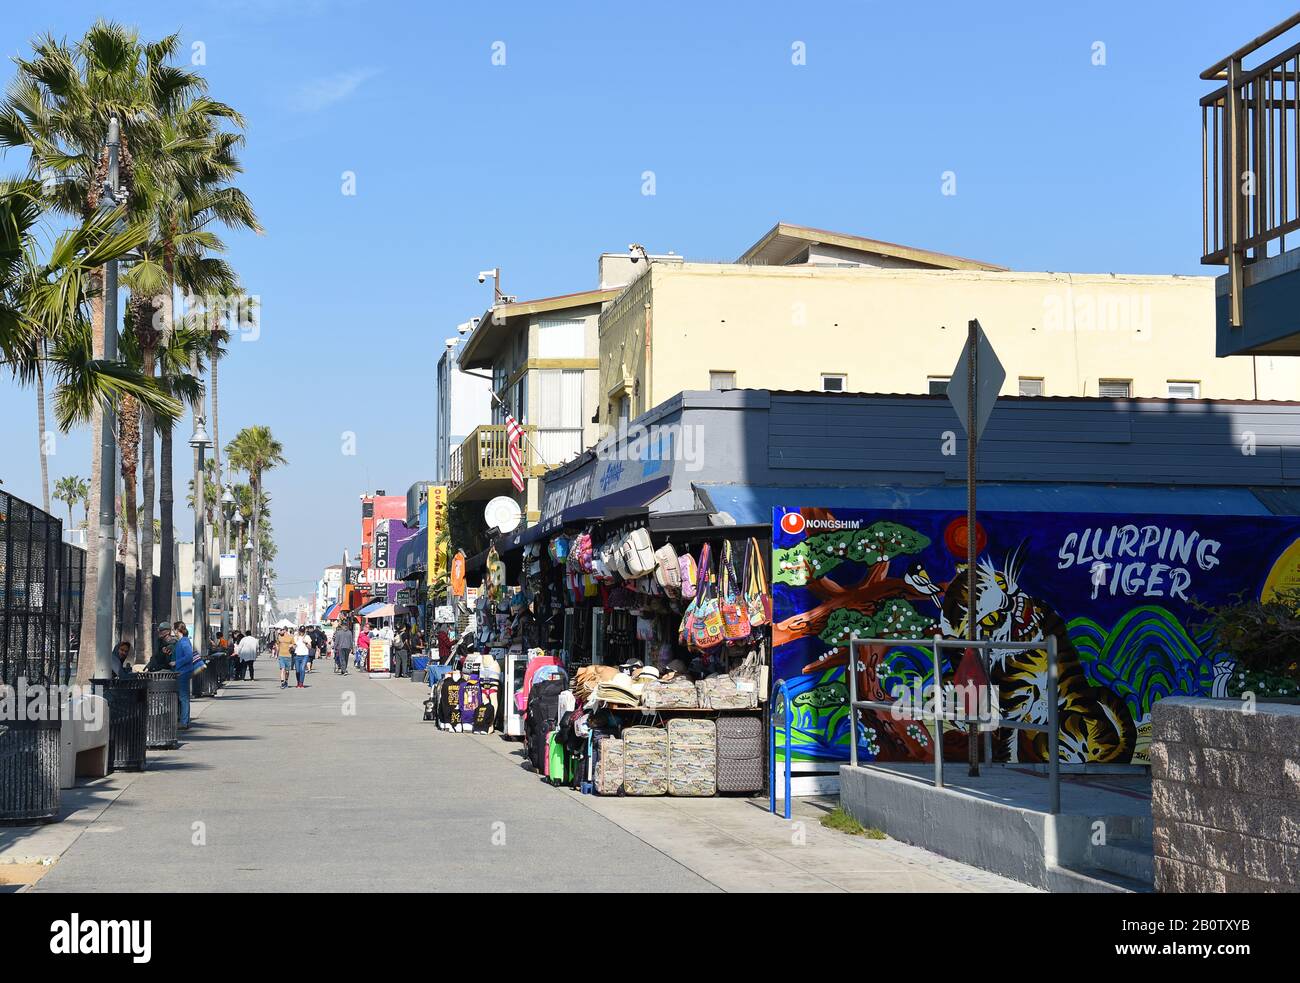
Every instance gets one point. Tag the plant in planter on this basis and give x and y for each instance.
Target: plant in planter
(1263, 637)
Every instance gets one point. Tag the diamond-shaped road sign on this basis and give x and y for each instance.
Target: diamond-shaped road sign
(989, 376)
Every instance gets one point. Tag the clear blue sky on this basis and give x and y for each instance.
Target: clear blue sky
(536, 166)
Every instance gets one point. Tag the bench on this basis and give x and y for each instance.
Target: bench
(83, 747)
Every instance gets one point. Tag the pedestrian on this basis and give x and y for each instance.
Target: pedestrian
(343, 643)
(284, 652)
(311, 646)
(186, 662)
(445, 640)
(400, 654)
(122, 660)
(246, 652)
(301, 653)
(363, 648)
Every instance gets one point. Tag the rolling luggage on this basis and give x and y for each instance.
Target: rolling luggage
(692, 757)
(543, 717)
(557, 756)
(645, 761)
(609, 766)
(741, 761)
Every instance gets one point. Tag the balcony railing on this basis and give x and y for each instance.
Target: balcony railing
(1250, 159)
(485, 456)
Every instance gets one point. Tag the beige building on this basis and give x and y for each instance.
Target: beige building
(807, 309)
(541, 358)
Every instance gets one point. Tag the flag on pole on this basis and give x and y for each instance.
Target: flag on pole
(516, 435)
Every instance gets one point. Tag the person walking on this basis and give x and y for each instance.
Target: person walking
(401, 656)
(246, 652)
(186, 662)
(301, 655)
(284, 653)
(344, 641)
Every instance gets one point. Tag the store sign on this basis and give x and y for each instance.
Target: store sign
(405, 597)
(229, 566)
(1119, 591)
(381, 544)
(444, 614)
(378, 660)
(437, 553)
(376, 575)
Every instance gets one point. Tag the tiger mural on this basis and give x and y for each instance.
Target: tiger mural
(1095, 725)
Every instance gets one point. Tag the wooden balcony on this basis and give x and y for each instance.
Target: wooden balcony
(480, 467)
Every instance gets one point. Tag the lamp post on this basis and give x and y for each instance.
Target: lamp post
(200, 441)
(227, 513)
(106, 573)
(249, 624)
(237, 522)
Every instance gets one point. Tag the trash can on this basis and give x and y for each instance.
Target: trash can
(164, 710)
(203, 682)
(29, 772)
(128, 719)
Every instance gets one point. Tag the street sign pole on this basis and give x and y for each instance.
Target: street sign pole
(972, 579)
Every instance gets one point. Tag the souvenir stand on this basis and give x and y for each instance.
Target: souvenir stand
(648, 641)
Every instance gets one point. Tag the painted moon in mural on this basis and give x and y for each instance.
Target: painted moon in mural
(1285, 574)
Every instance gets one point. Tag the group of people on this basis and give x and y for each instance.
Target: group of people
(352, 646)
(297, 650)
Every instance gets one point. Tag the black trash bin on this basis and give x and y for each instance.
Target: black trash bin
(164, 710)
(29, 772)
(128, 720)
(203, 682)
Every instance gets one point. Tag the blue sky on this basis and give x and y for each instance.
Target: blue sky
(536, 165)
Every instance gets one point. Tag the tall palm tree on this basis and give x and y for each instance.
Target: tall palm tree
(58, 108)
(70, 490)
(255, 451)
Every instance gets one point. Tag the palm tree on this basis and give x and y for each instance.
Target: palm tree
(255, 451)
(58, 108)
(70, 490)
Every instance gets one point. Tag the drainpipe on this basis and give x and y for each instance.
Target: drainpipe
(645, 369)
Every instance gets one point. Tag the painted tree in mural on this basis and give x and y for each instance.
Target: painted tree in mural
(879, 605)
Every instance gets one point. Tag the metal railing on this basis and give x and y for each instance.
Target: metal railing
(1250, 159)
(941, 701)
(782, 692)
(485, 456)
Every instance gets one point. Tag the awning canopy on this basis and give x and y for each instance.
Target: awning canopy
(754, 503)
(607, 506)
(377, 611)
(333, 612)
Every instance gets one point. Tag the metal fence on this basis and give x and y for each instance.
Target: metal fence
(41, 587)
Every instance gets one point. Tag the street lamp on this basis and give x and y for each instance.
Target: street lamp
(227, 511)
(237, 603)
(200, 441)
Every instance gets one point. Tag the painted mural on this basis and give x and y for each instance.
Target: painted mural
(1117, 592)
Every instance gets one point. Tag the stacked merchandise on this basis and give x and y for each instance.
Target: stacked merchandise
(645, 761)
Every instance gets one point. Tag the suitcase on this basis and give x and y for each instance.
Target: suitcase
(725, 693)
(692, 757)
(609, 766)
(741, 759)
(645, 761)
(557, 760)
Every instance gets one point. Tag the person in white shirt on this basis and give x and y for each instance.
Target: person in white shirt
(246, 652)
(301, 649)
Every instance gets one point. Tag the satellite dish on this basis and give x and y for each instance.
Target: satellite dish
(502, 513)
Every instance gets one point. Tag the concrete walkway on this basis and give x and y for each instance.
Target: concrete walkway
(342, 787)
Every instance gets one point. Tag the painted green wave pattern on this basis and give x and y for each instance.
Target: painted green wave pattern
(1145, 657)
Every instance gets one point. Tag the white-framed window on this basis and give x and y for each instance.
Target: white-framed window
(1181, 389)
(937, 385)
(1031, 386)
(834, 382)
(1115, 388)
(561, 337)
(721, 380)
(559, 414)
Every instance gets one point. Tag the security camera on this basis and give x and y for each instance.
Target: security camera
(481, 278)
(484, 274)
(634, 248)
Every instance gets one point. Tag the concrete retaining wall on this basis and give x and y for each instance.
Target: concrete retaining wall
(1225, 796)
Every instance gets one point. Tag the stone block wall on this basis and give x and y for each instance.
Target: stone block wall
(1225, 796)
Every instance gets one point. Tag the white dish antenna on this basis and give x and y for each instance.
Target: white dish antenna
(502, 513)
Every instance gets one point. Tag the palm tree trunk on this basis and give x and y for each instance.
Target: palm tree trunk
(216, 427)
(254, 586)
(86, 649)
(166, 531)
(129, 440)
(146, 520)
(40, 425)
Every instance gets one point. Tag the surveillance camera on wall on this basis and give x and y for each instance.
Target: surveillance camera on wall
(483, 275)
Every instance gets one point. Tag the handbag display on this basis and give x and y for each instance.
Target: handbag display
(678, 694)
(638, 553)
(687, 576)
(725, 693)
(667, 572)
(702, 624)
(758, 596)
(731, 602)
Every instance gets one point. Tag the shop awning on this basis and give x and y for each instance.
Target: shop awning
(754, 503)
(372, 607)
(377, 611)
(607, 506)
(333, 612)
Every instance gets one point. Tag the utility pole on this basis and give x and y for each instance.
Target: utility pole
(106, 574)
(200, 441)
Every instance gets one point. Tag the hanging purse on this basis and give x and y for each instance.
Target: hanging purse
(757, 595)
(731, 601)
(707, 631)
(688, 575)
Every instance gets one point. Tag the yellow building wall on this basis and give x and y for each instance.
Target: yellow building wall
(888, 331)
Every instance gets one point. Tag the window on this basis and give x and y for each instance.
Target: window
(834, 382)
(561, 338)
(938, 385)
(1184, 390)
(1115, 388)
(719, 381)
(559, 414)
(1030, 386)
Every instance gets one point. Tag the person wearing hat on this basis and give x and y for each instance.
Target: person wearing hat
(164, 640)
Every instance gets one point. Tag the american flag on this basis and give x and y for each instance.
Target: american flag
(516, 434)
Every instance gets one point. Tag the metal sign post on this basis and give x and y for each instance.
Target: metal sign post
(972, 390)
